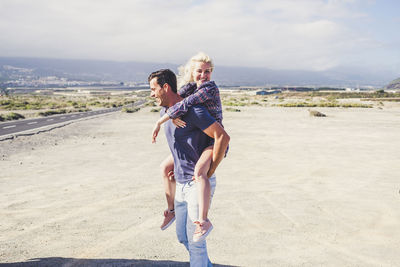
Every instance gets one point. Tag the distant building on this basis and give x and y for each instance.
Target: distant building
(264, 92)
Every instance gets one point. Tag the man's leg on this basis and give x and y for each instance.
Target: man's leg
(181, 215)
(197, 250)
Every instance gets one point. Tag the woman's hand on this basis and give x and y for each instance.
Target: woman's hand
(179, 123)
(155, 132)
(171, 175)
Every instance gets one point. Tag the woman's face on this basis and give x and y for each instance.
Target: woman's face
(201, 72)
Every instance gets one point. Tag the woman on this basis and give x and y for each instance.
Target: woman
(196, 88)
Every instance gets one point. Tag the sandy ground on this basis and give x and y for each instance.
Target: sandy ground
(294, 190)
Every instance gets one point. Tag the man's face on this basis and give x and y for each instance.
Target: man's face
(158, 93)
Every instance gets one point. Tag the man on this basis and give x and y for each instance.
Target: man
(186, 145)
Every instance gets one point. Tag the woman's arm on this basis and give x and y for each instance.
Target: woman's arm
(187, 90)
(206, 91)
(156, 128)
(178, 122)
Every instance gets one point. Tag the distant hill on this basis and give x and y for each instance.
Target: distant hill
(97, 70)
(86, 70)
(395, 84)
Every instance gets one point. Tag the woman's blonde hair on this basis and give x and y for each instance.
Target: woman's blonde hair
(185, 75)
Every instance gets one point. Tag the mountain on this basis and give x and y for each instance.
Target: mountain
(395, 84)
(86, 70)
(97, 70)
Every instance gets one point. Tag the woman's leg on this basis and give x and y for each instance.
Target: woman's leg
(167, 168)
(200, 172)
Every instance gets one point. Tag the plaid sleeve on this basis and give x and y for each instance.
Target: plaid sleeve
(187, 90)
(205, 92)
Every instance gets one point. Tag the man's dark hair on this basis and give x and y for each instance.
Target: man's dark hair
(164, 76)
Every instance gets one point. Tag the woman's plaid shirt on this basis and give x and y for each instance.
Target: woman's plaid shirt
(207, 94)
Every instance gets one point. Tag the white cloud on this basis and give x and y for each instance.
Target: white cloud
(302, 34)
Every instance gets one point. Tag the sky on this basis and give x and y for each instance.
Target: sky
(312, 35)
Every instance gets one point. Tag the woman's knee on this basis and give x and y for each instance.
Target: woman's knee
(166, 167)
(200, 173)
(203, 165)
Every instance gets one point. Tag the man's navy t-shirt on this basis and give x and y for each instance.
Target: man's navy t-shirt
(187, 144)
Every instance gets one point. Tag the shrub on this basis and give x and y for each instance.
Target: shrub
(297, 104)
(233, 103)
(11, 117)
(336, 95)
(79, 110)
(150, 103)
(129, 110)
(5, 102)
(355, 105)
(316, 113)
(95, 103)
(126, 102)
(232, 109)
(155, 110)
(325, 105)
(78, 105)
(52, 112)
(145, 93)
(331, 98)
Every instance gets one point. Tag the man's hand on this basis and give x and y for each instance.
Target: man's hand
(211, 170)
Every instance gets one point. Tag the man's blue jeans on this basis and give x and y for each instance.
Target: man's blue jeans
(186, 213)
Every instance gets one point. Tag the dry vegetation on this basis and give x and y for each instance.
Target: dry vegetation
(34, 105)
(315, 113)
(310, 99)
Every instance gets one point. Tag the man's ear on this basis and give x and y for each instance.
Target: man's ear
(166, 87)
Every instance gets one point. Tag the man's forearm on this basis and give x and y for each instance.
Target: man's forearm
(220, 145)
(221, 141)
